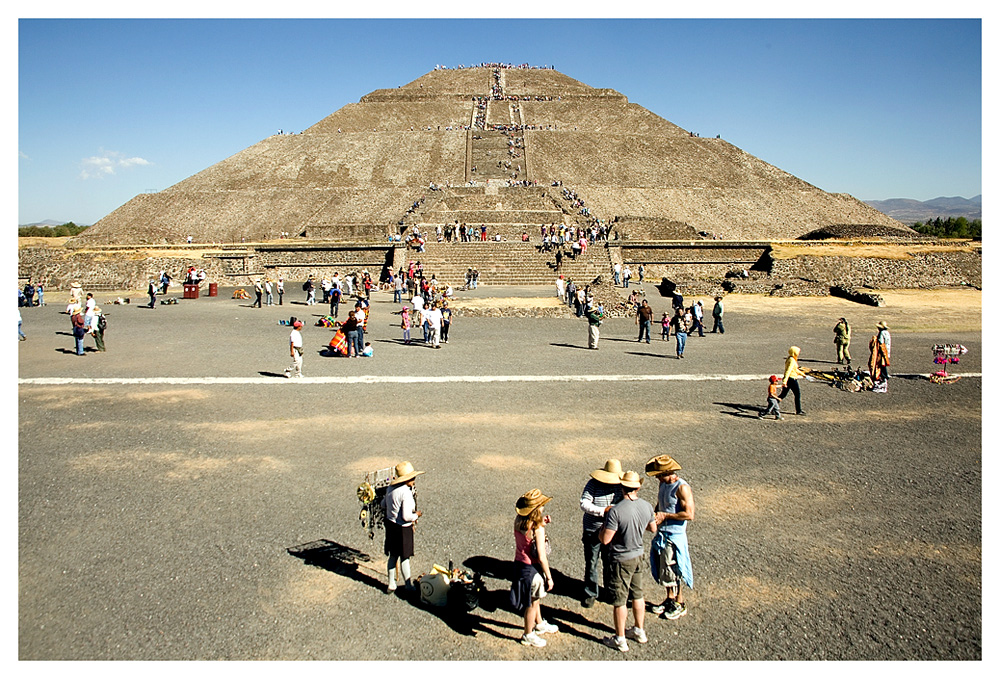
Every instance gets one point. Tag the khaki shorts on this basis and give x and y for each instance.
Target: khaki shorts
(538, 586)
(625, 581)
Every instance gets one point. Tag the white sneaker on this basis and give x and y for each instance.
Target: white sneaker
(637, 633)
(546, 628)
(617, 643)
(532, 639)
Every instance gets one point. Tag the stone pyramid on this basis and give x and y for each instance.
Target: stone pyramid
(359, 173)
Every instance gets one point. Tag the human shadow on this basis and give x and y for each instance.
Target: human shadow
(344, 560)
(72, 352)
(264, 373)
(567, 346)
(741, 409)
(646, 353)
(563, 586)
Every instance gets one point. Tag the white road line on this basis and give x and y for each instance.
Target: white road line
(406, 379)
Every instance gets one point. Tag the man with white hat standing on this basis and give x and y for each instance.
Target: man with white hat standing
(623, 528)
(669, 557)
(601, 492)
(400, 518)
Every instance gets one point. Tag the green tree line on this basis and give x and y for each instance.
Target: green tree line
(67, 229)
(952, 227)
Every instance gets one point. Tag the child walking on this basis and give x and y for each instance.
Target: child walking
(405, 324)
(773, 389)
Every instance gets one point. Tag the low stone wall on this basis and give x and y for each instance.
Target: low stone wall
(924, 270)
(119, 270)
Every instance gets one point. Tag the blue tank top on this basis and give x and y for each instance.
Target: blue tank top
(666, 501)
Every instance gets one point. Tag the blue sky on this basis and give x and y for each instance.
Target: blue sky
(879, 109)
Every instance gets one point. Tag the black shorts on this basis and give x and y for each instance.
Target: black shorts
(398, 540)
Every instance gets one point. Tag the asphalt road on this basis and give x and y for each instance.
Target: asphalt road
(199, 514)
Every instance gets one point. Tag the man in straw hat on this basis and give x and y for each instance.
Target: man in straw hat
(623, 528)
(669, 558)
(400, 518)
(601, 492)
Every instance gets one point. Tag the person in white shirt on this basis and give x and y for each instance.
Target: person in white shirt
(400, 517)
(295, 350)
(434, 322)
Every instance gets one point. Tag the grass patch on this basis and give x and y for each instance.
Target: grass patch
(874, 251)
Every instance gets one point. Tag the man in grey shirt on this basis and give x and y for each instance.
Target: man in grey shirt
(623, 527)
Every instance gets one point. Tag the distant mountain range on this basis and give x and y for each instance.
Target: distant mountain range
(909, 211)
(47, 222)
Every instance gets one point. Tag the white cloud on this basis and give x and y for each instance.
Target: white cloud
(99, 166)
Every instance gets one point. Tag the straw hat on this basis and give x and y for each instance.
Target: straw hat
(661, 464)
(531, 500)
(631, 480)
(611, 474)
(882, 325)
(404, 472)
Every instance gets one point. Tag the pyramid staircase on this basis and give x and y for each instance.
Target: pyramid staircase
(507, 263)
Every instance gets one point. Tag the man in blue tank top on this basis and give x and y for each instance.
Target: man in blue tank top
(669, 557)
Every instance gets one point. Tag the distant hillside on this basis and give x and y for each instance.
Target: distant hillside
(909, 211)
(46, 222)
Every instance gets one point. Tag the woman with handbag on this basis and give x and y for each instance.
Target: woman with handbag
(532, 576)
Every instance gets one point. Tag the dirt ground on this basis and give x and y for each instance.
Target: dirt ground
(182, 500)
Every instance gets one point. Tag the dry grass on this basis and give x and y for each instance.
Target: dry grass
(875, 251)
(41, 241)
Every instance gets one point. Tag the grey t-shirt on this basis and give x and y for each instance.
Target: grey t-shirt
(628, 519)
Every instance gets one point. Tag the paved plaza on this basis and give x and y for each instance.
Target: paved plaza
(178, 498)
